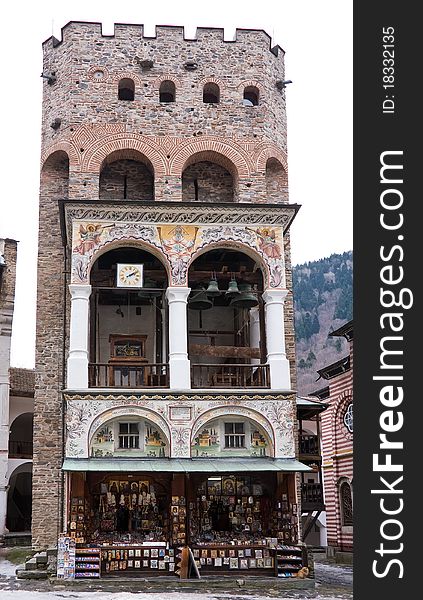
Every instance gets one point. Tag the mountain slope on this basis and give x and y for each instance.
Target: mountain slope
(323, 301)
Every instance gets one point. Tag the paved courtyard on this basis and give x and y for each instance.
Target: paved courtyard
(333, 582)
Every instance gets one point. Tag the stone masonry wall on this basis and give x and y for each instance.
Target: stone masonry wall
(49, 358)
(214, 182)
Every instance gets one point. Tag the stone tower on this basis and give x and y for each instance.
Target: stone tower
(164, 170)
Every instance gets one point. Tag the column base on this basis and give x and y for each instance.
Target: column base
(180, 373)
(280, 376)
(77, 375)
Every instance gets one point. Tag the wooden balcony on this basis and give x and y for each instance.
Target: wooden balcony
(19, 449)
(230, 376)
(127, 375)
(312, 497)
(309, 447)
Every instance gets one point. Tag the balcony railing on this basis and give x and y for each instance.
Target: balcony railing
(123, 375)
(230, 376)
(309, 444)
(20, 449)
(312, 496)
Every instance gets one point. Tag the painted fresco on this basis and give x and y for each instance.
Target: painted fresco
(178, 245)
(105, 442)
(210, 441)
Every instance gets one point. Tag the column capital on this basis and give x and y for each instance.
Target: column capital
(275, 296)
(177, 294)
(80, 291)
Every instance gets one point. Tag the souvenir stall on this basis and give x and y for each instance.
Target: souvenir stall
(133, 524)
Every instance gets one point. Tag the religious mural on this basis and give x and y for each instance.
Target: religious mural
(177, 244)
(212, 440)
(144, 440)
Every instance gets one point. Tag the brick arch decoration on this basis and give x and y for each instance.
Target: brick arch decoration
(231, 245)
(127, 154)
(211, 79)
(157, 82)
(117, 76)
(63, 146)
(263, 154)
(234, 411)
(232, 156)
(94, 69)
(98, 151)
(251, 83)
(127, 410)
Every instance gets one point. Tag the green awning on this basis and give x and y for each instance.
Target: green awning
(185, 465)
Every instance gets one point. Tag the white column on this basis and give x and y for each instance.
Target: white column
(179, 365)
(6, 316)
(78, 339)
(255, 331)
(280, 378)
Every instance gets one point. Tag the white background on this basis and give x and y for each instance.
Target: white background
(317, 39)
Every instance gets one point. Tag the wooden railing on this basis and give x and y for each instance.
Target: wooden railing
(124, 375)
(311, 496)
(309, 444)
(230, 376)
(18, 449)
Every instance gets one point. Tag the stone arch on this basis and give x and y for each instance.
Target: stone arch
(270, 152)
(233, 245)
(64, 148)
(339, 430)
(128, 410)
(128, 168)
(229, 155)
(19, 498)
(97, 152)
(251, 83)
(345, 501)
(235, 411)
(211, 79)
(119, 75)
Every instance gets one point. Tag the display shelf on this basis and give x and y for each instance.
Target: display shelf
(289, 560)
(152, 559)
(87, 562)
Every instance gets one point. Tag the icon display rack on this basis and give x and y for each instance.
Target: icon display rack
(87, 563)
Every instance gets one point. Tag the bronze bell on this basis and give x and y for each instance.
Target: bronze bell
(212, 290)
(199, 300)
(232, 290)
(245, 299)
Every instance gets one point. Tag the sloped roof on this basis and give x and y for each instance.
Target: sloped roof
(22, 382)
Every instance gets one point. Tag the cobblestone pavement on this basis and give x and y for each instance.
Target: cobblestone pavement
(333, 582)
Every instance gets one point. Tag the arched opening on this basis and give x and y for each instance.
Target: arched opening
(226, 321)
(126, 175)
(211, 93)
(346, 506)
(126, 89)
(55, 176)
(19, 499)
(167, 92)
(129, 436)
(251, 96)
(128, 320)
(209, 177)
(276, 182)
(231, 435)
(20, 436)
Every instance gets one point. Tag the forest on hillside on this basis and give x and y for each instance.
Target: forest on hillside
(323, 301)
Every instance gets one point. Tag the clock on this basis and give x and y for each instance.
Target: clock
(130, 276)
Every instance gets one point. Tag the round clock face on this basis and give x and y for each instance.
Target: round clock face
(129, 275)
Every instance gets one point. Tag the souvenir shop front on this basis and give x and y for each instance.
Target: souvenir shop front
(132, 517)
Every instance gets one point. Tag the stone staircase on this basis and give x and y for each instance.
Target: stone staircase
(39, 566)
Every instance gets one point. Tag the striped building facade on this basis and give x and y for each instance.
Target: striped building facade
(337, 446)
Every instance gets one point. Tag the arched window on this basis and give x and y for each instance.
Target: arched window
(251, 96)
(211, 93)
(126, 89)
(167, 92)
(345, 498)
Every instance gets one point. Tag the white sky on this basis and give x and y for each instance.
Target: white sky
(317, 38)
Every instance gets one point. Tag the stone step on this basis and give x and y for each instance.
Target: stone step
(31, 564)
(31, 573)
(41, 558)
